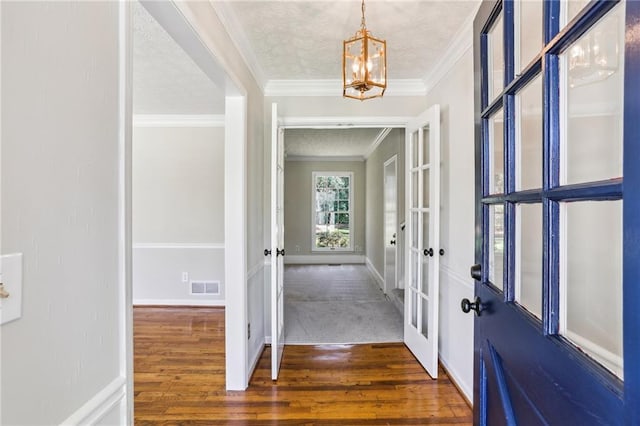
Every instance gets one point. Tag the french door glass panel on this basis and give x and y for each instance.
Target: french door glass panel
(529, 258)
(496, 149)
(425, 259)
(593, 72)
(529, 135)
(592, 279)
(529, 22)
(571, 8)
(496, 244)
(496, 58)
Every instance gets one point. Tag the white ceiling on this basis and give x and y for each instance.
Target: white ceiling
(296, 40)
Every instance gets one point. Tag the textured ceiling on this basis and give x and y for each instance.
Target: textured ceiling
(328, 142)
(165, 78)
(302, 40)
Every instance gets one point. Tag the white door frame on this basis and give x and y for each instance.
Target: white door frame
(394, 160)
(191, 33)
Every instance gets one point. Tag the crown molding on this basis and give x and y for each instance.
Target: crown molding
(460, 43)
(342, 158)
(343, 122)
(377, 141)
(178, 120)
(231, 24)
(333, 87)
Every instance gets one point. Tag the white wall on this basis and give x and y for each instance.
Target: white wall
(178, 213)
(63, 360)
(392, 145)
(454, 93)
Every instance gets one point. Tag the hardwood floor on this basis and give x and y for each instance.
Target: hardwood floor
(179, 379)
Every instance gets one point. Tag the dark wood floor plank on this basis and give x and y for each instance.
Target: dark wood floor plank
(179, 380)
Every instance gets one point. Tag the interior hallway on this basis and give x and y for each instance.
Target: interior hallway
(179, 379)
(337, 304)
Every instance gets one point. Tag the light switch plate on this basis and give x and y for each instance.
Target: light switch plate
(11, 273)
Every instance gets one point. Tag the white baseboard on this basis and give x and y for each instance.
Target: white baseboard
(379, 279)
(322, 259)
(177, 302)
(254, 361)
(466, 388)
(100, 405)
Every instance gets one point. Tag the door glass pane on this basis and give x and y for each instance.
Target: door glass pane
(425, 187)
(570, 9)
(425, 259)
(496, 59)
(529, 18)
(496, 244)
(425, 146)
(414, 229)
(415, 268)
(529, 139)
(414, 148)
(425, 317)
(592, 276)
(414, 189)
(593, 76)
(414, 308)
(496, 152)
(529, 268)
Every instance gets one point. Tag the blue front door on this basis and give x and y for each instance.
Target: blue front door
(557, 101)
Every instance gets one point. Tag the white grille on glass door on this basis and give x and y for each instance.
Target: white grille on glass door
(205, 288)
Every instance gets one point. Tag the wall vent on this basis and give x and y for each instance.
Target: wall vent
(202, 288)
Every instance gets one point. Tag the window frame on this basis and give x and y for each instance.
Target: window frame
(314, 212)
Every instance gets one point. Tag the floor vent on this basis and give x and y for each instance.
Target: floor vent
(202, 288)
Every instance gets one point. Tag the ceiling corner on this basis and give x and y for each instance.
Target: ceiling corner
(232, 26)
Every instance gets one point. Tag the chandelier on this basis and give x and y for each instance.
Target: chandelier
(364, 65)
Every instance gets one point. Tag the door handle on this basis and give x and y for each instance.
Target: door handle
(468, 306)
(441, 252)
(3, 293)
(279, 252)
(392, 242)
(476, 272)
(428, 252)
(267, 252)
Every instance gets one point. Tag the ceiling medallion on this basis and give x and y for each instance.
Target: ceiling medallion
(364, 65)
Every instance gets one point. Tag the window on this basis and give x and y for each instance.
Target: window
(332, 210)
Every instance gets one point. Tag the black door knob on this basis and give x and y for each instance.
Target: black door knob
(267, 252)
(476, 272)
(392, 242)
(279, 252)
(466, 305)
(441, 252)
(428, 252)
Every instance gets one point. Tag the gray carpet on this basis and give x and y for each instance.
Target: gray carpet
(337, 304)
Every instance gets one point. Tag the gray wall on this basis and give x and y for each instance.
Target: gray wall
(60, 186)
(392, 145)
(178, 213)
(298, 217)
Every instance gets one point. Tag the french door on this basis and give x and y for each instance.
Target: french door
(277, 243)
(557, 224)
(422, 243)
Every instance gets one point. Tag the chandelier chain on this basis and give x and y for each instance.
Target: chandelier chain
(363, 24)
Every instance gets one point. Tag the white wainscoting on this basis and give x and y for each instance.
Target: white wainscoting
(456, 329)
(158, 273)
(322, 259)
(103, 408)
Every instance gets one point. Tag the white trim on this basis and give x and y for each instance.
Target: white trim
(377, 141)
(254, 270)
(343, 122)
(376, 275)
(100, 404)
(468, 283)
(256, 358)
(179, 302)
(233, 27)
(178, 120)
(466, 388)
(459, 45)
(216, 246)
(333, 87)
(321, 259)
(392, 160)
(325, 158)
(125, 252)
